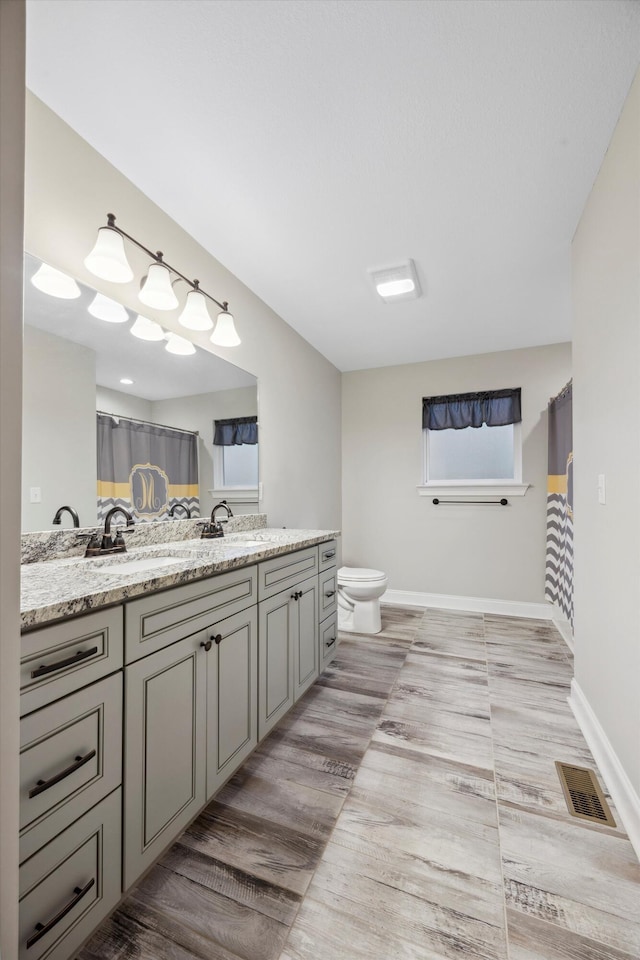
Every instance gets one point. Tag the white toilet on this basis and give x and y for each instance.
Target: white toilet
(359, 592)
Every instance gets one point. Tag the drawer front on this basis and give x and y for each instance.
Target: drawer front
(282, 573)
(328, 555)
(71, 885)
(154, 622)
(56, 660)
(328, 640)
(70, 758)
(328, 593)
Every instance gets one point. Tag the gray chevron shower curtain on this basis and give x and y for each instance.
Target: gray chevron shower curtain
(559, 566)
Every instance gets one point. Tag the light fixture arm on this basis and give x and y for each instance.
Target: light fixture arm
(158, 257)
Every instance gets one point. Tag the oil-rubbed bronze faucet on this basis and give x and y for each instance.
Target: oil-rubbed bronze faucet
(73, 514)
(214, 528)
(182, 506)
(97, 547)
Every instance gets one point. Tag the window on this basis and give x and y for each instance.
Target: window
(235, 459)
(472, 442)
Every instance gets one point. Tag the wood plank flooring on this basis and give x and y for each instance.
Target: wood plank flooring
(407, 808)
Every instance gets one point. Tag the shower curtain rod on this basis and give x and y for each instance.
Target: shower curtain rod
(147, 423)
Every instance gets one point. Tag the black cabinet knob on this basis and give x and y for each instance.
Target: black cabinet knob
(217, 639)
(207, 646)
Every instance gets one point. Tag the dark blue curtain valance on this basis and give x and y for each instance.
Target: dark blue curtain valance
(236, 430)
(459, 410)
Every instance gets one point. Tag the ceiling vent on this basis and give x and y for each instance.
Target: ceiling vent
(396, 283)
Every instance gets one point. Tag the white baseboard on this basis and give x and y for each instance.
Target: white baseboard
(563, 626)
(620, 787)
(443, 601)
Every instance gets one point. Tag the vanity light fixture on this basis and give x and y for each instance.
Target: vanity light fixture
(104, 308)
(126, 381)
(195, 315)
(396, 283)
(108, 261)
(146, 329)
(179, 345)
(57, 284)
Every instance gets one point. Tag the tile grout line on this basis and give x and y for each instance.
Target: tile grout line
(346, 796)
(495, 788)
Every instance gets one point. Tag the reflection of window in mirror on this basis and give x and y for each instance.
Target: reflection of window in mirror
(235, 458)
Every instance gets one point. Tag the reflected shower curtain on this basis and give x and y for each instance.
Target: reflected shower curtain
(559, 566)
(146, 468)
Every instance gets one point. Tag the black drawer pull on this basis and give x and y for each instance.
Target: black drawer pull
(207, 646)
(43, 785)
(61, 664)
(330, 593)
(330, 643)
(327, 556)
(296, 595)
(43, 928)
(217, 639)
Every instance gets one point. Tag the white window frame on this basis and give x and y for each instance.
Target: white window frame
(231, 493)
(474, 488)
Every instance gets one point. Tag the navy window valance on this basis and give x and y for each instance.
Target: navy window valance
(236, 430)
(459, 410)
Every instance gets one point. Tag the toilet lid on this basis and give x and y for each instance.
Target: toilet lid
(355, 574)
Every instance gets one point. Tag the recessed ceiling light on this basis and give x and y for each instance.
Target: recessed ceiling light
(126, 381)
(396, 283)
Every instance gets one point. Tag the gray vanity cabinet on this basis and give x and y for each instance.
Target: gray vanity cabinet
(288, 661)
(232, 685)
(165, 743)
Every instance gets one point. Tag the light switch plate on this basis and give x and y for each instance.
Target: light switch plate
(35, 495)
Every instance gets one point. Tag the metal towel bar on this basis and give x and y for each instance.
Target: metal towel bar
(495, 503)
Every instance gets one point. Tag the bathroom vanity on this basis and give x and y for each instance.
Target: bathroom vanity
(146, 680)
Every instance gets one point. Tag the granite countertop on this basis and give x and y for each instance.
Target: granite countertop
(54, 589)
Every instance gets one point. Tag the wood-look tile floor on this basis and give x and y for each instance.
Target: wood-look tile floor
(407, 808)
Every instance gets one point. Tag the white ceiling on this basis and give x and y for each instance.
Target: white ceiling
(156, 374)
(303, 142)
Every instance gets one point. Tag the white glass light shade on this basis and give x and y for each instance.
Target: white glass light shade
(56, 284)
(157, 291)
(108, 260)
(195, 315)
(104, 308)
(179, 345)
(395, 288)
(146, 329)
(225, 334)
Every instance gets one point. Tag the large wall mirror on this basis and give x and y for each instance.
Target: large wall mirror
(76, 364)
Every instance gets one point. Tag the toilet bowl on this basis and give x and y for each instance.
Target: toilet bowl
(359, 592)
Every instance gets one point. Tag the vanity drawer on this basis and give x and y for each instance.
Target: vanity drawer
(70, 758)
(328, 583)
(284, 572)
(328, 555)
(154, 622)
(328, 640)
(56, 660)
(71, 884)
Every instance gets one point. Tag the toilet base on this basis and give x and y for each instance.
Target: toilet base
(363, 618)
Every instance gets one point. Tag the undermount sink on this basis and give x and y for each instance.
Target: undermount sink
(118, 567)
(248, 543)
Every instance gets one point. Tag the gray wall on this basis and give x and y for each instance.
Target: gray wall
(122, 404)
(471, 551)
(69, 190)
(58, 430)
(606, 406)
(12, 53)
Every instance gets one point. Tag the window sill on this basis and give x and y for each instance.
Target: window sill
(471, 488)
(236, 494)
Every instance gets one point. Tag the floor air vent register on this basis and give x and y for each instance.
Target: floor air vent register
(583, 795)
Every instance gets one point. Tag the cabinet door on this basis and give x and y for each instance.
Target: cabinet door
(165, 701)
(305, 614)
(275, 660)
(232, 695)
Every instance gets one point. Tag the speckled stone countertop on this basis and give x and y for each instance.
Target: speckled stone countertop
(55, 589)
